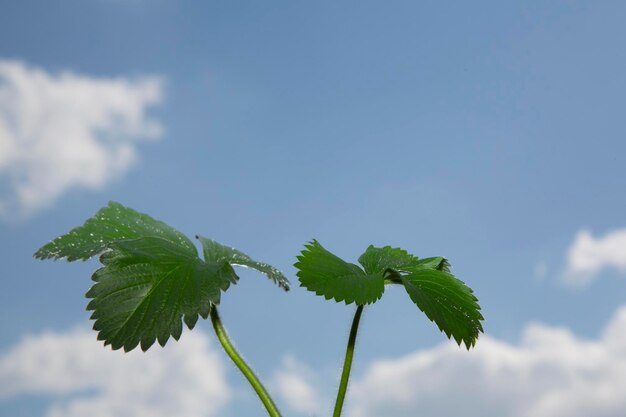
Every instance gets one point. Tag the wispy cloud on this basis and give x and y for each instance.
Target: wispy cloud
(64, 131)
(549, 373)
(298, 387)
(587, 256)
(186, 378)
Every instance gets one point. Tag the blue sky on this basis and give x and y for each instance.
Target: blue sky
(491, 133)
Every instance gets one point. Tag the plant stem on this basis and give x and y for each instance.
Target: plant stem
(347, 363)
(242, 365)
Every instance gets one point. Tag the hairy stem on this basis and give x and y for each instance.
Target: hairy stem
(242, 365)
(347, 363)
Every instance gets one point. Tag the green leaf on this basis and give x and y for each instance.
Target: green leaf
(146, 286)
(216, 252)
(439, 263)
(110, 224)
(152, 278)
(381, 259)
(447, 301)
(443, 298)
(328, 275)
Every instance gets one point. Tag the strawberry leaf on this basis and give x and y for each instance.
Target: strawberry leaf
(111, 223)
(381, 259)
(448, 302)
(331, 277)
(146, 286)
(216, 252)
(151, 279)
(438, 263)
(444, 299)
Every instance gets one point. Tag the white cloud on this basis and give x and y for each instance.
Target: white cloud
(64, 131)
(549, 373)
(185, 378)
(587, 256)
(296, 385)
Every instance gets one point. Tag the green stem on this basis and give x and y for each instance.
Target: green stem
(347, 363)
(242, 365)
